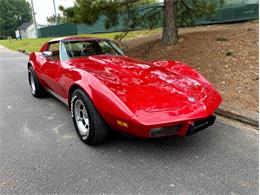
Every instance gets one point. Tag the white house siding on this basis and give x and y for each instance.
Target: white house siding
(23, 34)
(31, 32)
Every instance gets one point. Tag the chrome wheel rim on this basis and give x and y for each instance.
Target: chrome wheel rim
(32, 83)
(81, 117)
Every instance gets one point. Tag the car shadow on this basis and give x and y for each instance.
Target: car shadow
(198, 144)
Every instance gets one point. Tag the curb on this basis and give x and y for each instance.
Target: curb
(223, 110)
(237, 114)
(23, 51)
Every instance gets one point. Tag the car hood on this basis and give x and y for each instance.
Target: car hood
(153, 86)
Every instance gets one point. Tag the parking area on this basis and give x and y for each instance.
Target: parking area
(41, 153)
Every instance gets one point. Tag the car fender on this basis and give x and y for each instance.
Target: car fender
(36, 67)
(32, 58)
(106, 102)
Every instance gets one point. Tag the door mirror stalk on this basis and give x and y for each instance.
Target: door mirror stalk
(47, 54)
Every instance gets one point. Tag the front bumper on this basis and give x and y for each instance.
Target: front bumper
(188, 128)
(200, 125)
(182, 128)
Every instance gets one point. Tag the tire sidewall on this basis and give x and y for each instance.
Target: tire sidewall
(39, 90)
(30, 72)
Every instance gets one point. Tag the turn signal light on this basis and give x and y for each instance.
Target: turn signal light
(121, 123)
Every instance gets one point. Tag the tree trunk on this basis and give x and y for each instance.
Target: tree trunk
(170, 29)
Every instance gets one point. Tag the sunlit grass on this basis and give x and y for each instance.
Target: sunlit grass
(35, 44)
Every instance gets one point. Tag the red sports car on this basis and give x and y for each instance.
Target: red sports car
(104, 88)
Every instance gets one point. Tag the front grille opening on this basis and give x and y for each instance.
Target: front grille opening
(161, 131)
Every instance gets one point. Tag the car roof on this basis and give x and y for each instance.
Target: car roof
(76, 39)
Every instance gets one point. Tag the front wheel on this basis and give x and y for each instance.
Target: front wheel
(90, 126)
(36, 88)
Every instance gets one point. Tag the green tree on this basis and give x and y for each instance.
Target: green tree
(128, 12)
(182, 13)
(52, 20)
(13, 13)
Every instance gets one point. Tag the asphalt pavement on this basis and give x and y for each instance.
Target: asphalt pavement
(40, 151)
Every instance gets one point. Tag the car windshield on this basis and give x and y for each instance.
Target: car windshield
(79, 49)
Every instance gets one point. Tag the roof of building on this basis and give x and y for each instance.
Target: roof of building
(24, 25)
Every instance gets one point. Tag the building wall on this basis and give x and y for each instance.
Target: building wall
(27, 33)
(23, 34)
(241, 1)
(58, 30)
(31, 32)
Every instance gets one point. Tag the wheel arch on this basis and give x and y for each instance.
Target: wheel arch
(30, 63)
(100, 98)
(72, 88)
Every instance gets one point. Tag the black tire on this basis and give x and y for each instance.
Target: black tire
(98, 129)
(36, 89)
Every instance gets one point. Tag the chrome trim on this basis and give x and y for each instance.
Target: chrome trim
(81, 118)
(32, 83)
(57, 96)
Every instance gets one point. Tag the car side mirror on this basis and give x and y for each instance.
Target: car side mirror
(47, 54)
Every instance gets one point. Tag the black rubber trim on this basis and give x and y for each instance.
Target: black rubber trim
(165, 130)
(201, 124)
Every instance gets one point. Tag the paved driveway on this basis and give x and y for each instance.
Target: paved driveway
(40, 151)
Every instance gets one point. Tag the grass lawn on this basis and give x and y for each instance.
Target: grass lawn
(35, 44)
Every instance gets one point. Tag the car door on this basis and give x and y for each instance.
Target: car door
(50, 68)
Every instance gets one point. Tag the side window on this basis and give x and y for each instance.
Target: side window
(54, 48)
(77, 49)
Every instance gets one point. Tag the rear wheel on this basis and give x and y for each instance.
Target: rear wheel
(36, 88)
(90, 126)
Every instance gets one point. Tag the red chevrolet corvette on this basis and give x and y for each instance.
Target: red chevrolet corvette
(104, 88)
